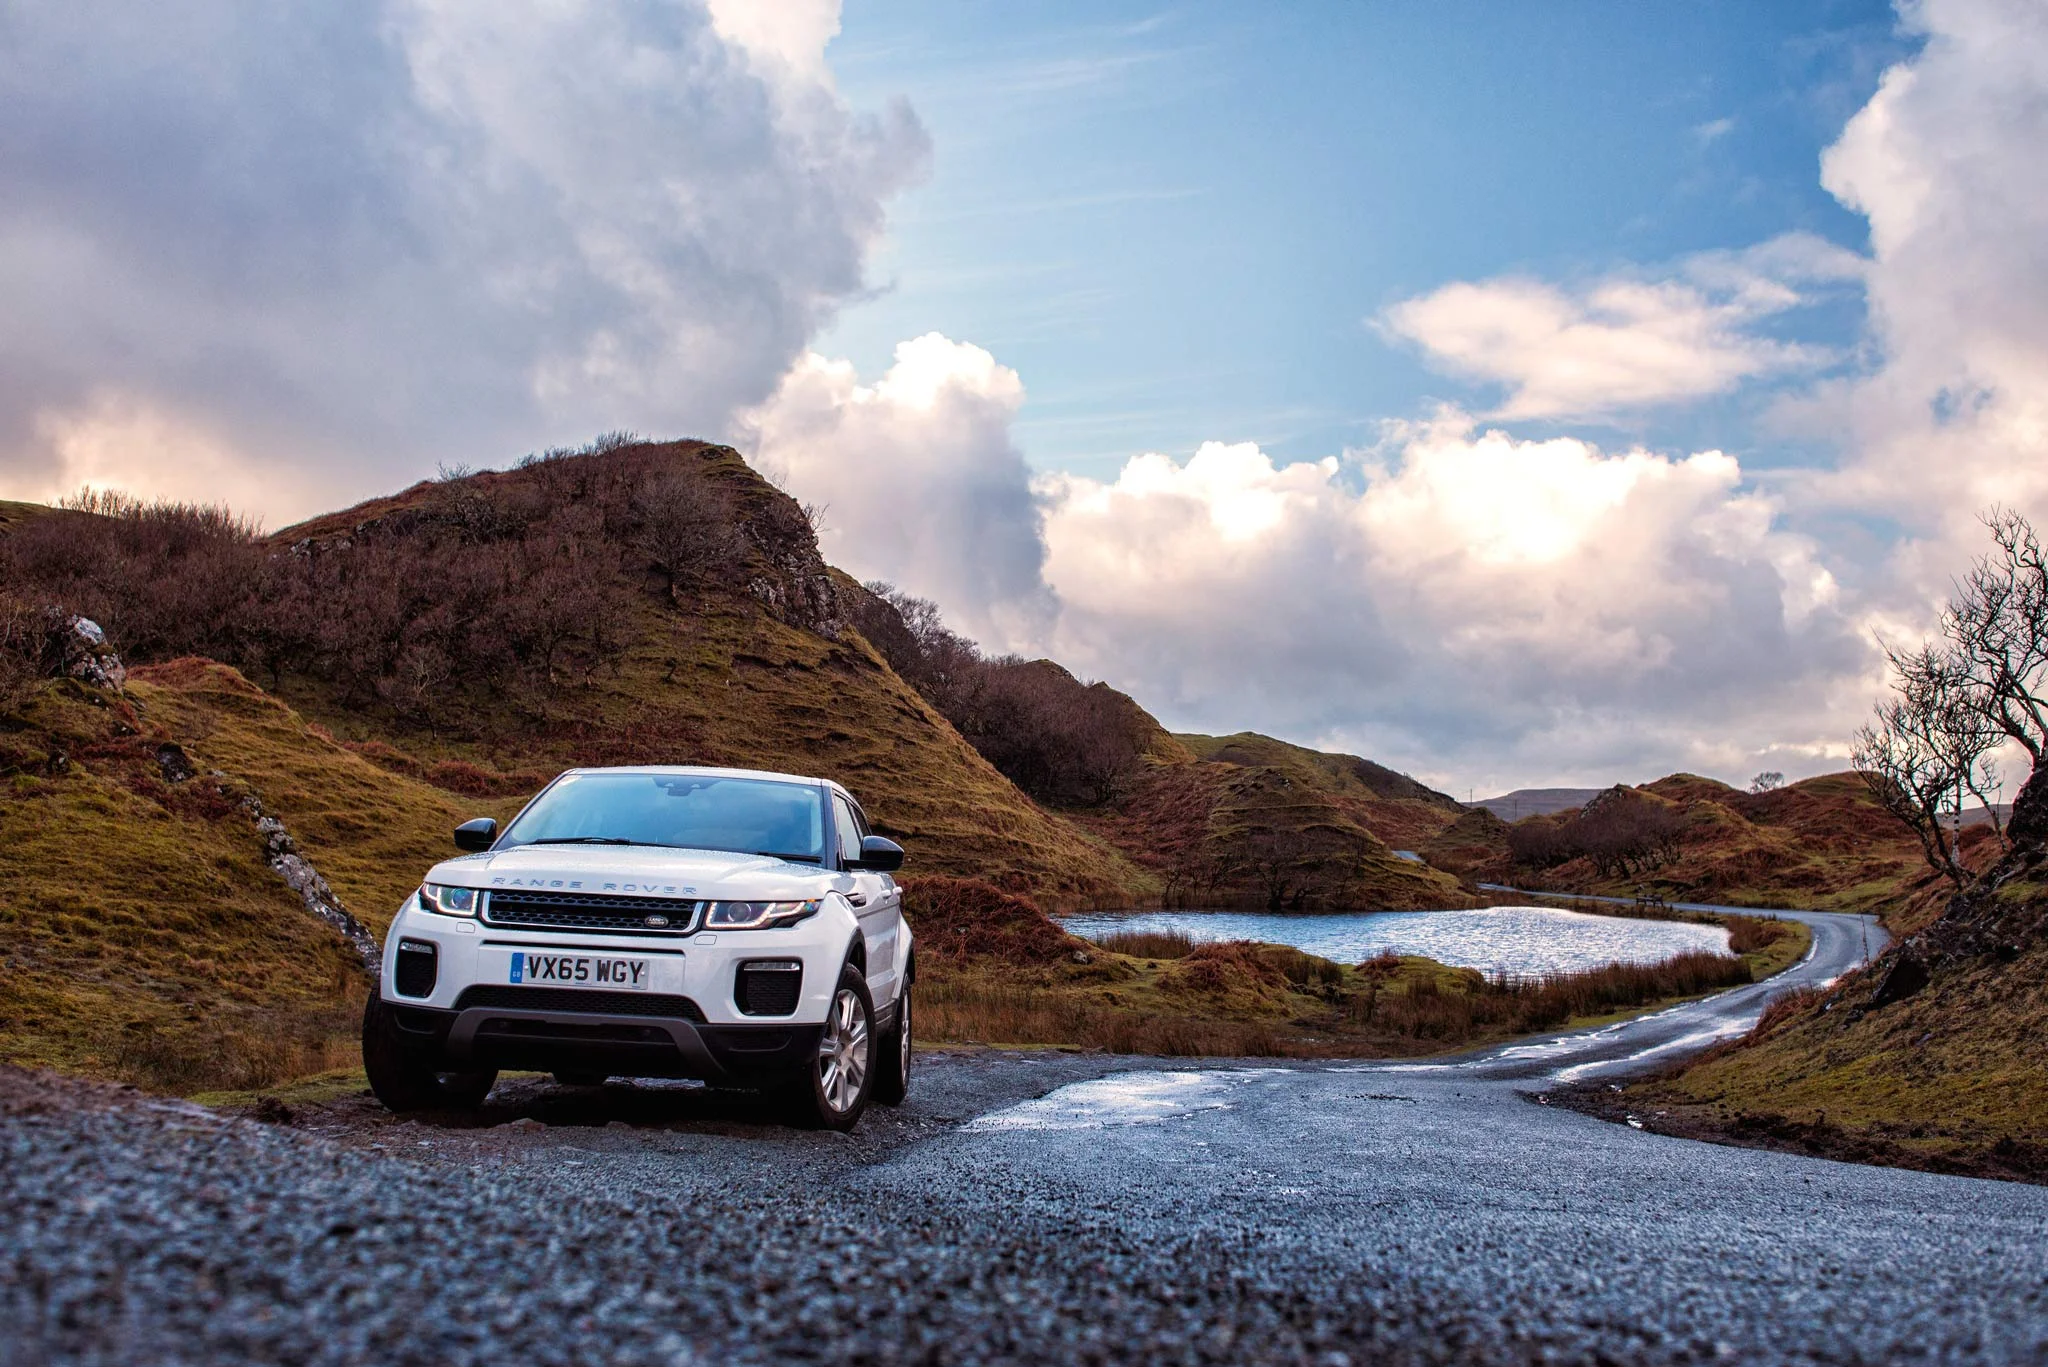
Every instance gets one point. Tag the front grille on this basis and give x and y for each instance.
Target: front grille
(591, 911)
(768, 989)
(569, 999)
(415, 970)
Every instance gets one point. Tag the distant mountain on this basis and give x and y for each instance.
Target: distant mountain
(1537, 801)
(1822, 843)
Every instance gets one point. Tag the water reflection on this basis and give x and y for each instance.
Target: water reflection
(1517, 941)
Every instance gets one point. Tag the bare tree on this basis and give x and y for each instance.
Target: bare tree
(1981, 684)
(1997, 627)
(1928, 743)
(686, 526)
(1770, 780)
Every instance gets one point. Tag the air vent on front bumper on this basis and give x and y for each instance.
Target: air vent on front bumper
(768, 987)
(416, 968)
(610, 915)
(570, 999)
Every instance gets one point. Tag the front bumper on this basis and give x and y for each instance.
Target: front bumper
(555, 1040)
(682, 1020)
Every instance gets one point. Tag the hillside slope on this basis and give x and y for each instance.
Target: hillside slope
(146, 935)
(1247, 820)
(1936, 1056)
(634, 602)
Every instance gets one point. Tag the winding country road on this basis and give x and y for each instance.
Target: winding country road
(1034, 1208)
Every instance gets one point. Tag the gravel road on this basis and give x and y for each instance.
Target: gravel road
(1038, 1207)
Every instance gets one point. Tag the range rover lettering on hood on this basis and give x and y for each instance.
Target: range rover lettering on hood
(574, 884)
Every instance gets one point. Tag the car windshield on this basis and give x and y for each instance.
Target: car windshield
(685, 811)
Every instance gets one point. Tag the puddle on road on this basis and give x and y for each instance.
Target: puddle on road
(1698, 1039)
(1125, 1099)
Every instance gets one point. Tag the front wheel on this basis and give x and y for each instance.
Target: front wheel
(833, 1089)
(404, 1079)
(892, 1059)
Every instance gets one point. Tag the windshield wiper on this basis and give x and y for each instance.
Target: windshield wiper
(792, 858)
(589, 840)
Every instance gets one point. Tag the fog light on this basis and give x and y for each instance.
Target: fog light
(417, 967)
(768, 987)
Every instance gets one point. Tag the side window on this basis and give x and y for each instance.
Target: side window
(860, 819)
(849, 832)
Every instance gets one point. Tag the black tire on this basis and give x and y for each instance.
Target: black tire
(832, 1091)
(582, 1079)
(404, 1078)
(892, 1054)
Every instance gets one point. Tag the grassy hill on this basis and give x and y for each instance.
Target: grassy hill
(1820, 844)
(1934, 1057)
(639, 602)
(145, 933)
(1247, 820)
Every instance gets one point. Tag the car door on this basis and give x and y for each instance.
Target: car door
(875, 901)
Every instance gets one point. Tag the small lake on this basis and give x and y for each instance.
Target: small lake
(1517, 941)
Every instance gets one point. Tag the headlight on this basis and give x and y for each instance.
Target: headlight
(448, 901)
(757, 915)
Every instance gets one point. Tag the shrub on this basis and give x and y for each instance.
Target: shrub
(480, 588)
(1622, 832)
(1062, 741)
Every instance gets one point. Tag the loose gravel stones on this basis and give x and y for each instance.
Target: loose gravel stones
(1159, 1211)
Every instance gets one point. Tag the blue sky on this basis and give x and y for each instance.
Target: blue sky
(1178, 224)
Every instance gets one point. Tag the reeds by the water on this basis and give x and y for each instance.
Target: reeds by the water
(1150, 944)
(1504, 1006)
(1381, 1008)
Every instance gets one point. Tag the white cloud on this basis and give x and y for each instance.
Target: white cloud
(790, 33)
(1945, 162)
(1713, 130)
(1462, 601)
(348, 242)
(919, 478)
(1457, 601)
(1623, 342)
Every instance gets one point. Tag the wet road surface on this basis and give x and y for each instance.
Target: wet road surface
(1022, 1208)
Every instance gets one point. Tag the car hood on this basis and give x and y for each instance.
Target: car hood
(638, 870)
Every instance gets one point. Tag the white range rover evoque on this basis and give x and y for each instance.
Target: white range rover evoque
(659, 921)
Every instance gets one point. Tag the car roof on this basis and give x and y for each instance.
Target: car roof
(708, 771)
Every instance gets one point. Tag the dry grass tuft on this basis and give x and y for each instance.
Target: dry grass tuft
(1752, 934)
(964, 919)
(1149, 944)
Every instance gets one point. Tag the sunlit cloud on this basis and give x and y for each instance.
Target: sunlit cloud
(1625, 342)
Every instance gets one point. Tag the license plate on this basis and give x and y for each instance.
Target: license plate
(581, 970)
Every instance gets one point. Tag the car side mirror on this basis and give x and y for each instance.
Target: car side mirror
(477, 835)
(878, 855)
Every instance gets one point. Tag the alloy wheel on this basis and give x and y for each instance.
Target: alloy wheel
(843, 1052)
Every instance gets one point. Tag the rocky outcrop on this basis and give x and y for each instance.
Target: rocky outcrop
(2028, 826)
(305, 880)
(796, 584)
(1994, 918)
